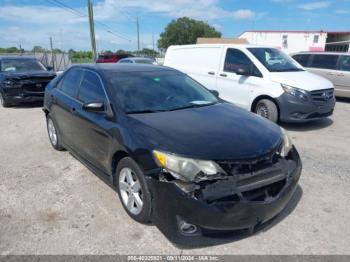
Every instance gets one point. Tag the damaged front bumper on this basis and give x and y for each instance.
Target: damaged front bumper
(240, 201)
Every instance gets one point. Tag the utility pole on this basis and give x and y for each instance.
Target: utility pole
(92, 30)
(138, 33)
(52, 55)
(153, 41)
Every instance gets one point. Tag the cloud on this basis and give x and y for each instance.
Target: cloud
(315, 5)
(341, 12)
(243, 14)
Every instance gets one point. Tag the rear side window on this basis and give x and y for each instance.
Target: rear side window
(344, 64)
(236, 59)
(302, 59)
(70, 82)
(325, 61)
(91, 89)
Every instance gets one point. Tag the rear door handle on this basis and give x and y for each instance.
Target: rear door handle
(223, 75)
(211, 73)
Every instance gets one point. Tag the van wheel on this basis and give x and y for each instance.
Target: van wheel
(133, 191)
(268, 109)
(53, 135)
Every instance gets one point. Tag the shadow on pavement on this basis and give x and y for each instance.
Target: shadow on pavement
(308, 126)
(27, 105)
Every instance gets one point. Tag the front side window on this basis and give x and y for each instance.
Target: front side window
(302, 59)
(345, 63)
(70, 82)
(91, 89)
(147, 92)
(325, 61)
(21, 65)
(236, 59)
(274, 60)
(125, 61)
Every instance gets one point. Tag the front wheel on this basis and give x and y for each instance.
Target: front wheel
(133, 191)
(3, 101)
(267, 109)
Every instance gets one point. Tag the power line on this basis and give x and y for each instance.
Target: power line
(80, 14)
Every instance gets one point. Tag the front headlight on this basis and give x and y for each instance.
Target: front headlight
(287, 143)
(186, 168)
(297, 92)
(8, 83)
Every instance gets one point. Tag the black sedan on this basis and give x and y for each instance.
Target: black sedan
(22, 79)
(176, 154)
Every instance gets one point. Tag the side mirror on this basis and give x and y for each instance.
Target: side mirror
(243, 72)
(95, 107)
(214, 92)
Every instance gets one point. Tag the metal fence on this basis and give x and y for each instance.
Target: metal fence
(58, 61)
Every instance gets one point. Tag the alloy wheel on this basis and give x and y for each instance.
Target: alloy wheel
(52, 131)
(130, 191)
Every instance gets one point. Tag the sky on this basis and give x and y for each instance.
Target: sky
(28, 23)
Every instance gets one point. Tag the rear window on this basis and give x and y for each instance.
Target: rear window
(70, 82)
(302, 59)
(325, 61)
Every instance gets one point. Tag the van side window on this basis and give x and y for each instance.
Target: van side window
(302, 59)
(325, 61)
(344, 63)
(70, 82)
(91, 89)
(236, 59)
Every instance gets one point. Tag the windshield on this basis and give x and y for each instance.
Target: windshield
(274, 60)
(148, 92)
(21, 65)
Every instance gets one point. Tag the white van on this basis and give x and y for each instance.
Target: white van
(260, 79)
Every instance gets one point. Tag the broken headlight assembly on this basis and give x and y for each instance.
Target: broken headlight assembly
(287, 143)
(297, 92)
(186, 169)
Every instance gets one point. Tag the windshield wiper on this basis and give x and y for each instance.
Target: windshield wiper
(193, 106)
(146, 111)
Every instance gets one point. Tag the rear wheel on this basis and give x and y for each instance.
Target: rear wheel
(267, 109)
(53, 135)
(3, 101)
(133, 191)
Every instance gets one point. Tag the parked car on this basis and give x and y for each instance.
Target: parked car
(137, 60)
(111, 58)
(176, 154)
(260, 79)
(22, 79)
(333, 66)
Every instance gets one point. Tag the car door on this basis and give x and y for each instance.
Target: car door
(64, 103)
(92, 137)
(233, 87)
(324, 65)
(342, 77)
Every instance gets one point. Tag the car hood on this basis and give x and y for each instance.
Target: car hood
(302, 79)
(24, 75)
(218, 132)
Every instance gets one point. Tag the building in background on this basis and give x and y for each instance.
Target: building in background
(296, 41)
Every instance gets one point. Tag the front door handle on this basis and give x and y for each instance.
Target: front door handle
(223, 75)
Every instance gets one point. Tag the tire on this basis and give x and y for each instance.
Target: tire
(130, 181)
(267, 109)
(53, 134)
(3, 101)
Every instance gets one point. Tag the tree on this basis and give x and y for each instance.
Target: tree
(38, 49)
(185, 31)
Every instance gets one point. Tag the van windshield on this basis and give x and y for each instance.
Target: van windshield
(156, 91)
(274, 60)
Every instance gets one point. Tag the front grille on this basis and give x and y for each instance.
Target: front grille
(322, 96)
(33, 84)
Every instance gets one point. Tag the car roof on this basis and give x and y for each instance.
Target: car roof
(17, 57)
(137, 58)
(221, 45)
(320, 53)
(116, 67)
